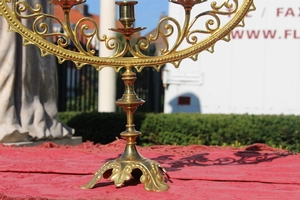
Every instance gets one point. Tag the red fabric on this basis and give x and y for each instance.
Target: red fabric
(51, 171)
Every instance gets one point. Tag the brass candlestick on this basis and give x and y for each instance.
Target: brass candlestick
(131, 163)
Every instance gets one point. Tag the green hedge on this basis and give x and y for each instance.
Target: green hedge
(99, 127)
(184, 129)
(212, 129)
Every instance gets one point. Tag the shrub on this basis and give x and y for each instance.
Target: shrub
(185, 129)
(217, 129)
(99, 127)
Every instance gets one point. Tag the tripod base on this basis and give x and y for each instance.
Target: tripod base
(132, 165)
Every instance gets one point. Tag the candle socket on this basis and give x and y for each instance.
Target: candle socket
(126, 13)
(66, 3)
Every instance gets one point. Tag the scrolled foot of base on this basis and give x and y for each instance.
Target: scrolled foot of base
(150, 173)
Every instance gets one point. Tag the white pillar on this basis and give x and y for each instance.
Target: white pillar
(107, 76)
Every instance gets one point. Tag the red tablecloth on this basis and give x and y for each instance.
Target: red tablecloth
(197, 172)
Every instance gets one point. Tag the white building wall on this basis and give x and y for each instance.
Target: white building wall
(258, 73)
